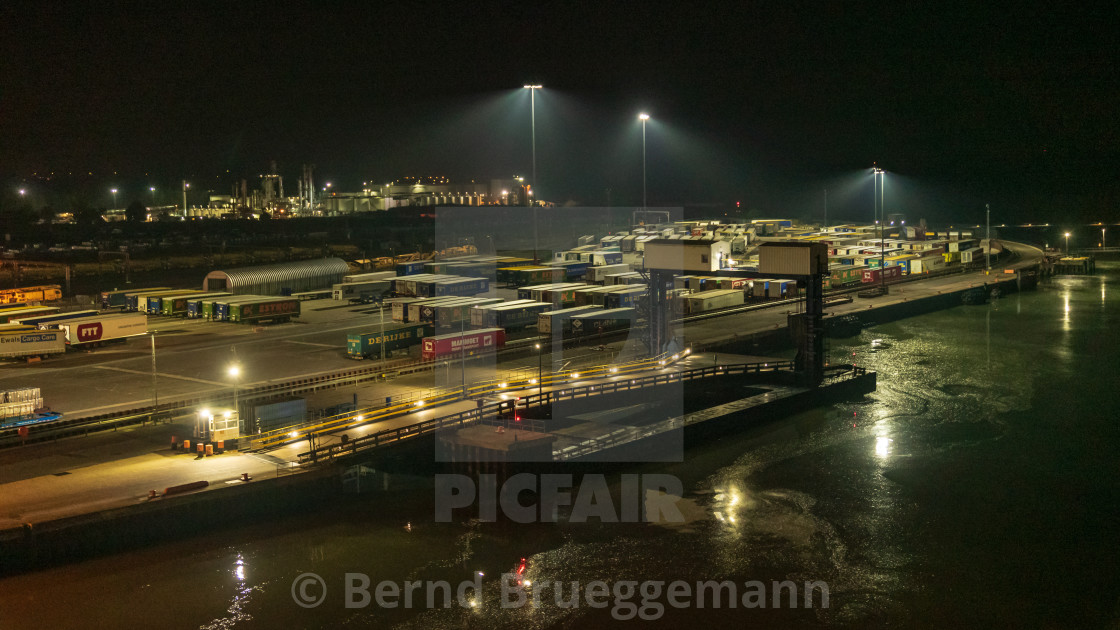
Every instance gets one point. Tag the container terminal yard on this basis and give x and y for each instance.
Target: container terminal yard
(223, 385)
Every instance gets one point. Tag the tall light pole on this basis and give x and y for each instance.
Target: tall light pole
(155, 389)
(1102, 238)
(879, 175)
(825, 209)
(533, 129)
(1067, 244)
(186, 185)
(643, 117)
(988, 237)
(114, 191)
(235, 371)
(152, 189)
(540, 372)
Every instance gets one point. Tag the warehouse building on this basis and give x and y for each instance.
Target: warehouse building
(279, 279)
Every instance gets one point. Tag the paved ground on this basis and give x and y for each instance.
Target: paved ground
(52, 480)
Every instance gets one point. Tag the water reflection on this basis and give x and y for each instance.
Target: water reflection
(883, 447)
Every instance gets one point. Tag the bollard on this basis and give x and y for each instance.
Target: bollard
(221, 447)
(209, 450)
(173, 444)
(246, 477)
(187, 445)
(151, 494)
(199, 448)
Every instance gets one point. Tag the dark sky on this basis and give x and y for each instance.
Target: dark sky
(762, 102)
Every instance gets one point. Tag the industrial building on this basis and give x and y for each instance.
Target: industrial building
(278, 279)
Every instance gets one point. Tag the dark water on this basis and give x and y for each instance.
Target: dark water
(977, 488)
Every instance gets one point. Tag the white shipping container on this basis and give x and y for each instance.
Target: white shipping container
(711, 300)
(600, 273)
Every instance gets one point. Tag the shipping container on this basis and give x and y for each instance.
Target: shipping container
(559, 321)
(35, 320)
(780, 289)
(410, 268)
(711, 300)
(599, 274)
(102, 328)
(926, 264)
(593, 296)
(600, 258)
(416, 310)
(514, 316)
(878, 274)
(537, 275)
(624, 298)
(28, 341)
(398, 307)
(480, 313)
(276, 310)
(459, 315)
(598, 322)
(463, 344)
(460, 287)
(368, 344)
(203, 307)
(573, 270)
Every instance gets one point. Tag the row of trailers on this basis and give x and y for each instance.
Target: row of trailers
(453, 326)
(39, 332)
(211, 306)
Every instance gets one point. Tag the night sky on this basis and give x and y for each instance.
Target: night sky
(764, 103)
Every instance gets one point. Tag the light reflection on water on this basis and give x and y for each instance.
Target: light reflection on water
(907, 503)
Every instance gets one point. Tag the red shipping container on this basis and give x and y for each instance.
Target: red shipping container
(473, 342)
(894, 272)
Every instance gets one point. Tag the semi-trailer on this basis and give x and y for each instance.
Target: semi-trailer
(98, 329)
(132, 301)
(179, 305)
(276, 310)
(515, 316)
(368, 344)
(626, 297)
(35, 320)
(154, 305)
(20, 312)
(28, 341)
(350, 290)
(468, 344)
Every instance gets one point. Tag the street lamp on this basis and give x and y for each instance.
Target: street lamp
(186, 185)
(152, 189)
(22, 192)
(643, 117)
(114, 191)
(1067, 243)
(1102, 238)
